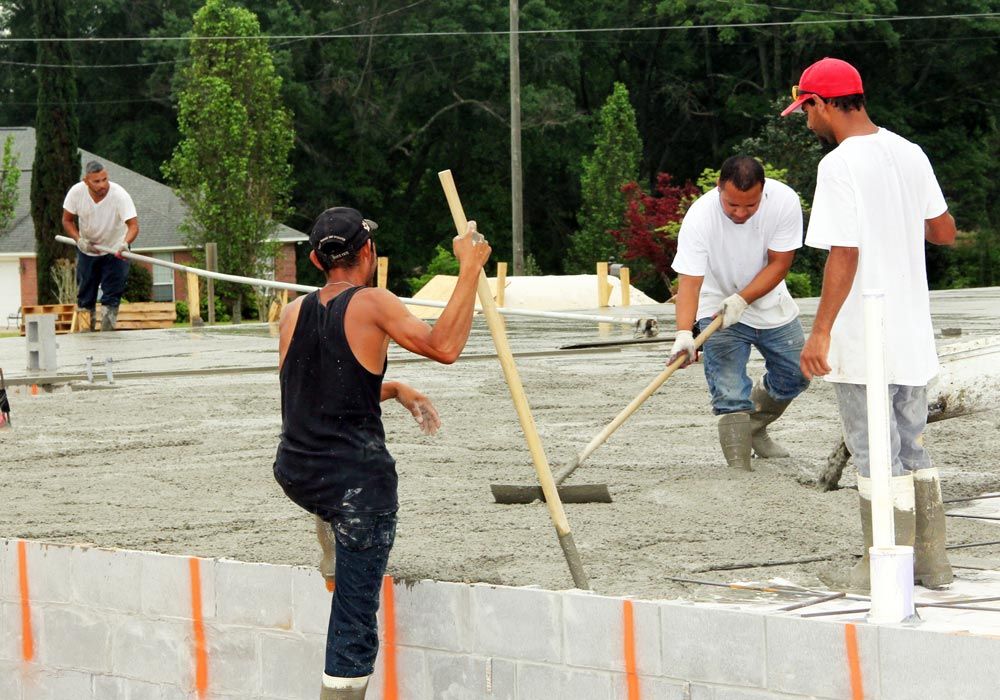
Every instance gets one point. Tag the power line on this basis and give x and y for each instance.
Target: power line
(506, 32)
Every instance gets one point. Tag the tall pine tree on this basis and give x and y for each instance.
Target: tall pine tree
(57, 132)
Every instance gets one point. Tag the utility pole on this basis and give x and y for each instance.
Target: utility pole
(516, 185)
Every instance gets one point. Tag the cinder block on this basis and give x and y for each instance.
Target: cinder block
(594, 633)
(502, 683)
(165, 587)
(457, 677)
(5, 566)
(517, 623)
(10, 681)
(697, 691)
(257, 595)
(411, 675)
(433, 615)
(809, 657)
(708, 644)
(49, 572)
(653, 687)
(233, 663)
(311, 609)
(747, 694)
(291, 665)
(156, 651)
(10, 632)
(110, 688)
(558, 683)
(58, 685)
(106, 578)
(943, 666)
(75, 638)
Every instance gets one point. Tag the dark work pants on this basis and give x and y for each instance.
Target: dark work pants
(105, 271)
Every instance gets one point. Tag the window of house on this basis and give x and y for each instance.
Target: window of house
(163, 279)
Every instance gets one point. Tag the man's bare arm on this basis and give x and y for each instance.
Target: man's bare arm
(132, 231)
(940, 230)
(686, 304)
(69, 225)
(778, 265)
(838, 278)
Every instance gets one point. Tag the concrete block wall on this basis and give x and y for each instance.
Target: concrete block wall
(81, 623)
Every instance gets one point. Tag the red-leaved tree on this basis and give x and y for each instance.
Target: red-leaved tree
(651, 225)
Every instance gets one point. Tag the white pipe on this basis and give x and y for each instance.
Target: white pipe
(891, 566)
(274, 284)
(878, 419)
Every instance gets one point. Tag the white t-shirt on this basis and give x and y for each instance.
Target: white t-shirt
(729, 255)
(102, 223)
(874, 193)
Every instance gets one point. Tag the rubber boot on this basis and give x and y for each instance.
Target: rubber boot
(734, 436)
(109, 318)
(766, 410)
(903, 517)
(343, 688)
(930, 558)
(327, 565)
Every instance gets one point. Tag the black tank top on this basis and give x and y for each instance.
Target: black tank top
(332, 454)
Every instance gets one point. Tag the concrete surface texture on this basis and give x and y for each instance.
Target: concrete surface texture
(182, 465)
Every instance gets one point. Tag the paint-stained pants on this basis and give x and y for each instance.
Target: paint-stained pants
(725, 357)
(907, 421)
(363, 544)
(105, 271)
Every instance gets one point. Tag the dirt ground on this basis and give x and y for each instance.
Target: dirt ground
(183, 466)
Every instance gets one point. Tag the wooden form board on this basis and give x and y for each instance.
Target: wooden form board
(157, 314)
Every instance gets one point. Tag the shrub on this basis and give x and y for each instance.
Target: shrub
(799, 284)
(139, 284)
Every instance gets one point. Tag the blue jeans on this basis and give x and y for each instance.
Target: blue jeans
(726, 354)
(104, 271)
(907, 422)
(363, 544)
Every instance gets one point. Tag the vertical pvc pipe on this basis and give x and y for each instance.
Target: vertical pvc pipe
(891, 566)
(878, 418)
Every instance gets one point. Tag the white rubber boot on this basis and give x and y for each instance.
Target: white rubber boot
(335, 688)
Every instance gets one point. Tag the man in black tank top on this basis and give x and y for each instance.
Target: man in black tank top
(332, 459)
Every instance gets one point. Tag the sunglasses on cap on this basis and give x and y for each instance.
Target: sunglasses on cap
(797, 93)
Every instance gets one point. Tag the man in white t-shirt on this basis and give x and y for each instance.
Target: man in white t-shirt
(877, 201)
(735, 247)
(106, 218)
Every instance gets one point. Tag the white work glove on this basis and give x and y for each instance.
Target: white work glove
(85, 246)
(731, 310)
(122, 247)
(683, 344)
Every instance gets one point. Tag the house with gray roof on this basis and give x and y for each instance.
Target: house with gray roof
(161, 214)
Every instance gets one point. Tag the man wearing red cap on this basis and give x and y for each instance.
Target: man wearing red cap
(877, 200)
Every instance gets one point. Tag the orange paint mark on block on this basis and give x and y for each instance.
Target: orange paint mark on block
(390, 690)
(27, 638)
(34, 390)
(198, 622)
(854, 662)
(631, 676)
(330, 585)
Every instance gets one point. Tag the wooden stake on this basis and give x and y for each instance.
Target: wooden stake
(501, 282)
(383, 273)
(194, 299)
(603, 288)
(495, 323)
(626, 281)
(211, 263)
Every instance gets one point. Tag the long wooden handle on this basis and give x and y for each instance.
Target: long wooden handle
(645, 394)
(499, 333)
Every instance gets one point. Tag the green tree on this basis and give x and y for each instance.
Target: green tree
(10, 175)
(231, 167)
(614, 162)
(57, 158)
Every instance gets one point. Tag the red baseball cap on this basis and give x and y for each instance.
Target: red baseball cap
(829, 77)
